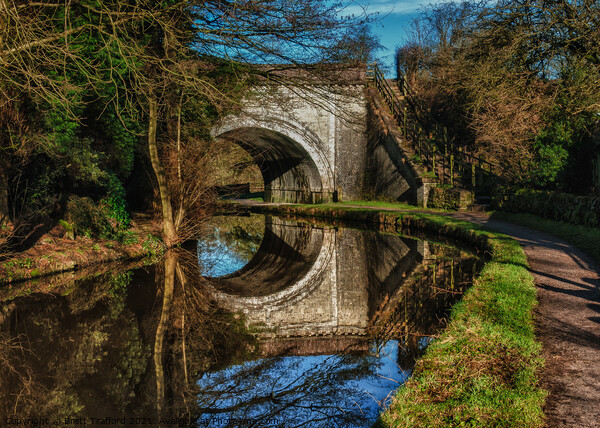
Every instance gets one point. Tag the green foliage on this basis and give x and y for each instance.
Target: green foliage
(122, 150)
(551, 159)
(563, 147)
(117, 287)
(61, 130)
(153, 246)
(83, 164)
(118, 284)
(115, 204)
(38, 190)
(78, 127)
(97, 220)
(87, 218)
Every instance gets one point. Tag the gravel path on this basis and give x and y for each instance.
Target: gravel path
(567, 319)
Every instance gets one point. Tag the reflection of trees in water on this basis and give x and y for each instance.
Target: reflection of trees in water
(288, 392)
(59, 351)
(200, 335)
(241, 235)
(103, 349)
(133, 343)
(416, 311)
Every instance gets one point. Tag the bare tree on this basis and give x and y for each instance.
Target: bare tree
(167, 53)
(245, 34)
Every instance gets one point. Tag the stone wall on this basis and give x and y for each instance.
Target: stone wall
(390, 171)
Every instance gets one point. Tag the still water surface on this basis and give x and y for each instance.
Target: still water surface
(265, 322)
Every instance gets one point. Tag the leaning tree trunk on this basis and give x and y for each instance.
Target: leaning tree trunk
(165, 198)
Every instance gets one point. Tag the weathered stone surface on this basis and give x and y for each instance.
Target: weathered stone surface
(310, 143)
(318, 143)
(390, 171)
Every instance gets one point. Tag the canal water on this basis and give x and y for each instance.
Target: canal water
(263, 322)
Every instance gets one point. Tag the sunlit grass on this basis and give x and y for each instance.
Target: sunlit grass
(483, 370)
(379, 204)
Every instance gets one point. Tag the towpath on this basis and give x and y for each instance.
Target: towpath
(567, 321)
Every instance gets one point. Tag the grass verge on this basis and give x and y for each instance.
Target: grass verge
(483, 370)
(584, 238)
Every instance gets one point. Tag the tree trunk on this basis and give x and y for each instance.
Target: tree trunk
(165, 198)
(170, 263)
(183, 280)
(181, 211)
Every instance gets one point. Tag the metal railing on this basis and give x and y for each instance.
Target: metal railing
(429, 140)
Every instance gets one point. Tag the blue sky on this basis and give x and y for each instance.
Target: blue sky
(395, 17)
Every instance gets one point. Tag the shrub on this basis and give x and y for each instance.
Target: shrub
(115, 204)
(92, 220)
(448, 198)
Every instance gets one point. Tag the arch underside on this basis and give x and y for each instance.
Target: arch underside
(293, 169)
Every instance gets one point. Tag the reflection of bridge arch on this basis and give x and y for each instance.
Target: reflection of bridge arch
(306, 281)
(292, 158)
(291, 261)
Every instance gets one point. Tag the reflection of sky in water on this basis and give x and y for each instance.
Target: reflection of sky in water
(217, 257)
(323, 390)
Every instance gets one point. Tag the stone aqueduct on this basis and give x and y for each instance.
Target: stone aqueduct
(319, 143)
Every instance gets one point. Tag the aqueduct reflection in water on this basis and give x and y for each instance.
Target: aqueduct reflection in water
(331, 283)
(309, 281)
(321, 303)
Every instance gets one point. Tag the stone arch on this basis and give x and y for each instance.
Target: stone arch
(291, 158)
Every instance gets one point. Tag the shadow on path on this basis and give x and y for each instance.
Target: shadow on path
(567, 321)
(567, 318)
